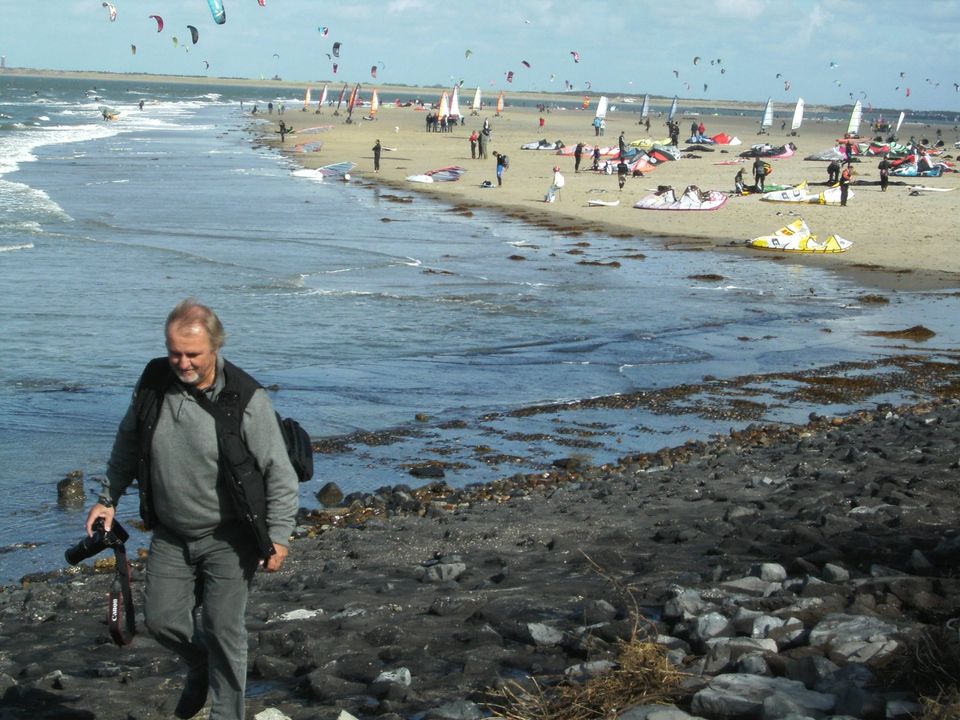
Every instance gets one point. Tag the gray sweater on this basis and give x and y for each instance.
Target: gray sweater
(184, 490)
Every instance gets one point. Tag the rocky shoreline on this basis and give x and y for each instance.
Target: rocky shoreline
(786, 571)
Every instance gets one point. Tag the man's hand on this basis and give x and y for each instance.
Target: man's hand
(275, 561)
(100, 511)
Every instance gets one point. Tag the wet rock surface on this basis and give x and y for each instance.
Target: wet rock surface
(783, 568)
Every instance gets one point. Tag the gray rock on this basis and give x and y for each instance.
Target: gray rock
(684, 605)
(733, 695)
(810, 670)
(762, 626)
(325, 687)
(540, 634)
(399, 676)
(270, 714)
(70, 490)
(440, 572)
(838, 628)
(655, 712)
(456, 710)
(752, 586)
(753, 664)
(711, 625)
(771, 572)
(330, 495)
(585, 671)
(835, 574)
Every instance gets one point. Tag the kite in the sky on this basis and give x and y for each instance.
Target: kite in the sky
(525, 63)
(467, 53)
(175, 41)
(323, 29)
(902, 74)
(133, 49)
(676, 73)
(704, 87)
(216, 9)
(696, 59)
(194, 33)
(786, 86)
(908, 92)
(833, 64)
(373, 71)
(509, 76)
(576, 56)
(206, 65)
(335, 68)
(159, 22)
(336, 49)
(263, 3)
(112, 10)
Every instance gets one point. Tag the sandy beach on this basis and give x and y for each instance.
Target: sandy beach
(901, 240)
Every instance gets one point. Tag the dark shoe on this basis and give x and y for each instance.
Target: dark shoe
(194, 695)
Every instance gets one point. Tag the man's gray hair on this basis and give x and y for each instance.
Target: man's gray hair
(191, 311)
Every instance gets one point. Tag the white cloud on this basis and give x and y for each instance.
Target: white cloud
(400, 6)
(743, 9)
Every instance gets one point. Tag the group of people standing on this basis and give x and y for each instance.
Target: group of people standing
(479, 142)
(441, 123)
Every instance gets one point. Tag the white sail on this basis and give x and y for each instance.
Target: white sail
(476, 99)
(374, 103)
(602, 107)
(306, 99)
(797, 115)
(444, 109)
(767, 119)
(673, 109)
(899, 122)
(853, 128)
(323, 99)
(645, 108)
(455, 102)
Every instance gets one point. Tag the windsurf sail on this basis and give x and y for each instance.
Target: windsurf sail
(602, 107)
(899, 122)
(455, 102)
(353, 99)
(645, 108)
(476, 99)
(797, 115)
(334, 169)
(343, 92)
(306, 99)
(323, 99)
(500, 103)
(673, 109)
(767, 119)
(444, 105)
(374, 103)
(856, 115)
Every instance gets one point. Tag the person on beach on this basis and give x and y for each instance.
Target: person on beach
(596, 157)
(833, 172)
(483, 141)
(474, 136)
(647, 124)
(759, 173)
(502, 164)
(622, 144)
(577, 156)
(376, 156)
(202, 553)
(738, 185)
(283, 130)
(622, 171)
(845, 184)
(702, 129)
(558, 183)
(884, 168)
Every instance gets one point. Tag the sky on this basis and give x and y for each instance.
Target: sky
(826, 51)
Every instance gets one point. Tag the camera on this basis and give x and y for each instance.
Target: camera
(96, 543)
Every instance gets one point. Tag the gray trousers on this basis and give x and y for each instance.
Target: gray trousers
(216, 572)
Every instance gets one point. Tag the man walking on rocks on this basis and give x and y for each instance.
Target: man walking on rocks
(204, 549)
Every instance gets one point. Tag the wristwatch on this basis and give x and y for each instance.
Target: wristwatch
(105, 501)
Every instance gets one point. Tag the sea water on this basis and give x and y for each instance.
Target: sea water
(403, 320)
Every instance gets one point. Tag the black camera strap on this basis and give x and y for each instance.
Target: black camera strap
(120, 610)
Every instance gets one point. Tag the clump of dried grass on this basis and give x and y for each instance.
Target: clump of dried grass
(930, 666)
(642, 675)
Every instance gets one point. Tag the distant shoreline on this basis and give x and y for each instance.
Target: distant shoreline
(299, 85)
